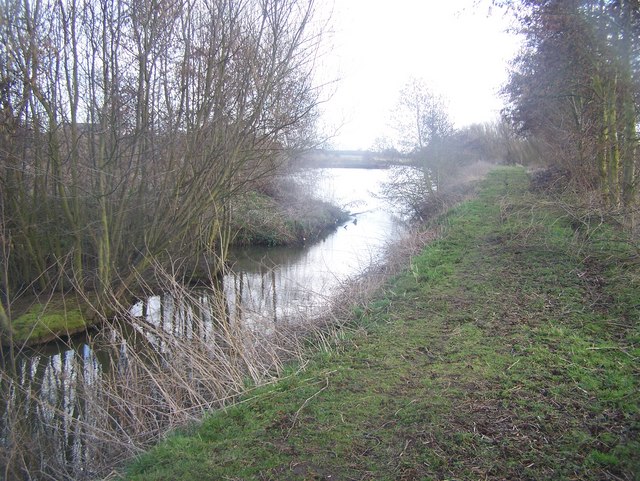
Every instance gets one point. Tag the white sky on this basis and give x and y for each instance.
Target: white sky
(377, 45)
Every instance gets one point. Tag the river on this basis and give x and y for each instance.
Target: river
(265, 287)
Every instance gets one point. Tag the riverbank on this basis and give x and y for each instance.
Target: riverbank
(264, 220)
(49, 318)
(289, 219)
(507, 350)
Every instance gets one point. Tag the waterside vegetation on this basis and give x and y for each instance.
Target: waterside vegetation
(507, 349)
(257, 219)
(139, 142)
(275, 221)
(127, 130)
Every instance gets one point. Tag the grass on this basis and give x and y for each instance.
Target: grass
(507, 350)
(259, 219)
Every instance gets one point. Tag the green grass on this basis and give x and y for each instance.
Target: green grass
(262, 220)
(508, 350)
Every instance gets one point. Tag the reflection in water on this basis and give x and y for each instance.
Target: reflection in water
(50, 389)
(50, 401)
(284, 283)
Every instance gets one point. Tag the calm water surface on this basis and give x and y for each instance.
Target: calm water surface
(266, 286)
(288, 282)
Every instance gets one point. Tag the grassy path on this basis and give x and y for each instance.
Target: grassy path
(508, 350)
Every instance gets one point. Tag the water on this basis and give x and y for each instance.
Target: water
(282, 283)
(267, 286)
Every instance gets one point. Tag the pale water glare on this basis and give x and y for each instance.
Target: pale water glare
(287, 283)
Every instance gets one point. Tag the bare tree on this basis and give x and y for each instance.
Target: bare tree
(128, 126)
(423, 127)
(420, 117)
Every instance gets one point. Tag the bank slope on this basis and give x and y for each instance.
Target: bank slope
(507, 350)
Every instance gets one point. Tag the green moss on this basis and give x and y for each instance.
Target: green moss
(45, 322)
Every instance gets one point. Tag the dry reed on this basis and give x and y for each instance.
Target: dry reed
(160, 367)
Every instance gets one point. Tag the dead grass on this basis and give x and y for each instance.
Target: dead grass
(164, 375)
(491, 357)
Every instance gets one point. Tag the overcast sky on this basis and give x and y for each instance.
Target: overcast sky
(459, 47)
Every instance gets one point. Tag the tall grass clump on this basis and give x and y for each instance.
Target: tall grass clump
(156, 367)
(161, 365)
